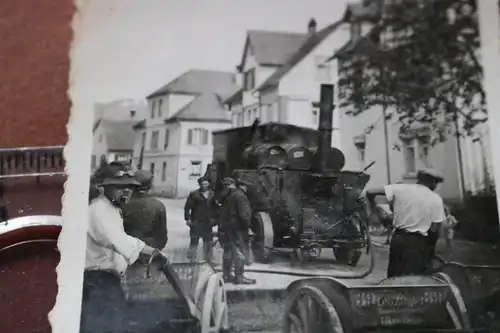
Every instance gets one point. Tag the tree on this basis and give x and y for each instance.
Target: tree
(420, 60)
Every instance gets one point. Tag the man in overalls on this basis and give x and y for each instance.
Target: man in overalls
(198, 213)
(108, 254)
(418, 213)
(235, 216)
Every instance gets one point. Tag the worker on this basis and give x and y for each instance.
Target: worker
(198, 213)
(144, 216)
(235, 216)
(417, 215)
(109, 252)
(245, 186)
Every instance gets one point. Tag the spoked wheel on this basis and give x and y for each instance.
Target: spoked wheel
(213, 305)
(316, 308)
(263, 238)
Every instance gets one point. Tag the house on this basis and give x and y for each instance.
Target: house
(281, 74)
(112, 140)
(176, 137)
(370, 137)
(122, 109)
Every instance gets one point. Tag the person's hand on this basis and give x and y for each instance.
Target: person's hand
(188, 223)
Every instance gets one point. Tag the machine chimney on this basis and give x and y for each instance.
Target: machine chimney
(325, 126)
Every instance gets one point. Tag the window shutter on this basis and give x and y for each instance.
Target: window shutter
(190, 137)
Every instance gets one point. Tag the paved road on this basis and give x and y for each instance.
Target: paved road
(179, 240)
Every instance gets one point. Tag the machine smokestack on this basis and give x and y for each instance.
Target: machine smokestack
(325, 127)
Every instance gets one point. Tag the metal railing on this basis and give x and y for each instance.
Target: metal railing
(31, 162)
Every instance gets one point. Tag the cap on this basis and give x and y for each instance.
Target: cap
(430, 173)
(228, 181)
(144, 177)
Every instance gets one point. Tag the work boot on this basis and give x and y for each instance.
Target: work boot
(243, 280)
(239, 269)
(227, 265)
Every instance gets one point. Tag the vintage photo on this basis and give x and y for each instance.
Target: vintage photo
(328, 168)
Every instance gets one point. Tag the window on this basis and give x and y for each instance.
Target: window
(255, 115)
(164, 172)
(152, 168)
(249, 79)
(153, 109)
(167, 137)
(94, 162)
(100, 137)
(249, 116)
(195, 168)
(143, 140)
(323, 69)
(154, 140)
(160, 103)
(197, 137)
(415, 154)
(355, 31)
(240, 118)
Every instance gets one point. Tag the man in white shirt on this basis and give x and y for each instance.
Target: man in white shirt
(109, 252)
(417, 214)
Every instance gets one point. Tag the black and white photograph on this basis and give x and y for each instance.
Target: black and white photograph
(278, 166)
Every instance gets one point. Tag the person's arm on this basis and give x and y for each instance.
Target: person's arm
(160, 231)
(244, 210)
(188, 206)
(109, 234)
(438, 217)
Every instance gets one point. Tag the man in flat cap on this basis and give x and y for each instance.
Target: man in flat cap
(234, 221)
(418, 213)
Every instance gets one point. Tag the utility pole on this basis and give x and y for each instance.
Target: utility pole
(490, 44)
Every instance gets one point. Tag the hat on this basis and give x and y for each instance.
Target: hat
(144, 177)
(434, 174)
(120, 178)
(228, 181)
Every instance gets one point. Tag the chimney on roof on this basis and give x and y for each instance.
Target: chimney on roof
(132, 113)
(311, 26)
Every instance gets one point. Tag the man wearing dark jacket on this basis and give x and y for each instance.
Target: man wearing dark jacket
(145, 217)
(235, 216)
(198, 213)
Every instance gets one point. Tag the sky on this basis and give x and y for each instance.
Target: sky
(129, 48)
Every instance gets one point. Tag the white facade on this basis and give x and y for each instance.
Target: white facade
(291, 101)
(178, 152)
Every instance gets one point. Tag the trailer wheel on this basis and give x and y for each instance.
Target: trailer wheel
(263, 240)
(317, 307)
(213, 306)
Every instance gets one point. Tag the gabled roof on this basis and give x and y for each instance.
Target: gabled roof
(235, 98)
(200, 81)
(119, 134)
(206, 107)
(271, 48)
(307, 47)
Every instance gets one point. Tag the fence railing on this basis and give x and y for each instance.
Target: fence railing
(31, 162)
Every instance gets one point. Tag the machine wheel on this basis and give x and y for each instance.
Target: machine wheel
(264, 237)
(317, 307)
(346, 256)
(213, 306)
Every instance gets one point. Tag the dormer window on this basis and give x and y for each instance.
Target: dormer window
(249, 79)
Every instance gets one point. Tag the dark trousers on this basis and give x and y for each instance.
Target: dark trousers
(233, 246)
(103, 303)
(409, 254)
(203, 231)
